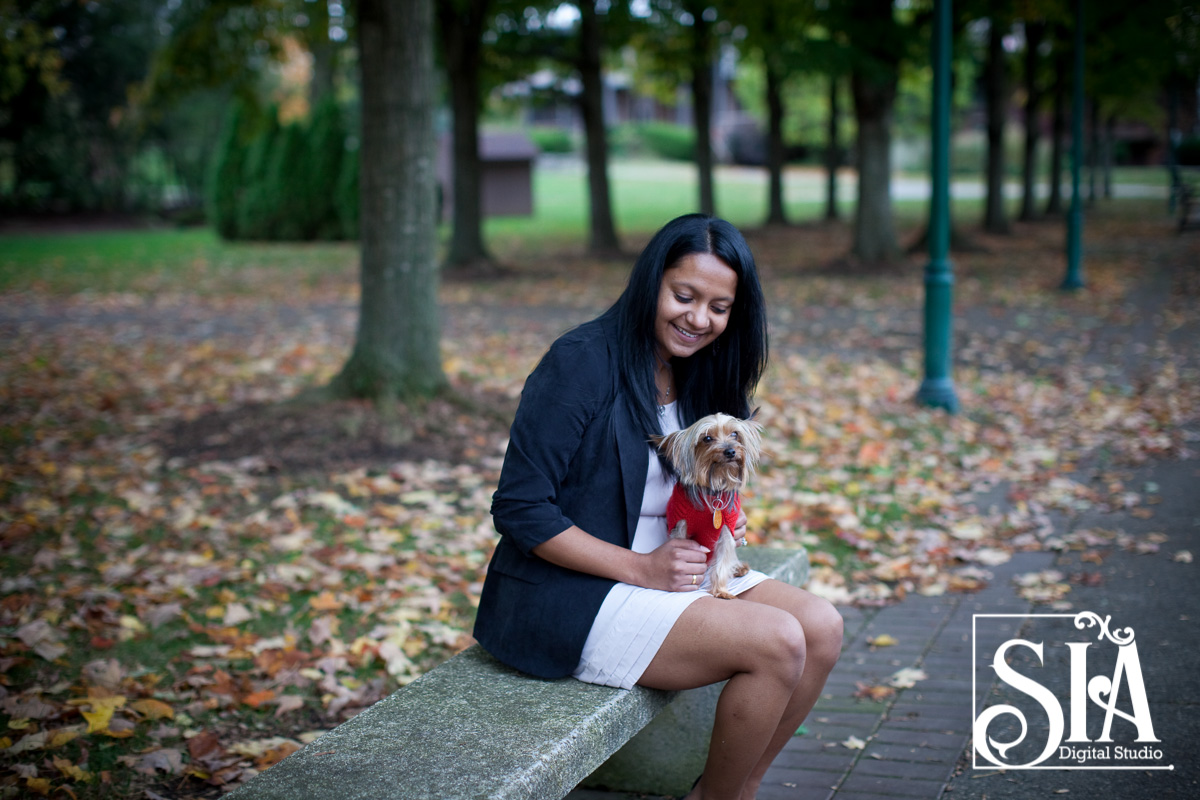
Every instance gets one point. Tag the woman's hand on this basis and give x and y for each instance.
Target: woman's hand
(676, 566)
(739, 531)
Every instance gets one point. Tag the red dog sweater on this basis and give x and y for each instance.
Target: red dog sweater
(703, 525)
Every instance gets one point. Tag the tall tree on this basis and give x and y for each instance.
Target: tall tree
(833, 150)
(1061, 57)
(700, 64)
(396, 348)
(461, 24)
(880, 43)
(676, 45)
(779, 32)
(602, 232)
(996, 91)
(1035, 30)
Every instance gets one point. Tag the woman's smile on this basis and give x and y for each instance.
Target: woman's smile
(694, 304)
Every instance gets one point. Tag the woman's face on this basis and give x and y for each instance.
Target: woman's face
(694, 304)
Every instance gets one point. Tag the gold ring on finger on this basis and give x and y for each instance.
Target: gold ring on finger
(693, 580)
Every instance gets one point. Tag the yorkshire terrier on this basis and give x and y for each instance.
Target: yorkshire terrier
(712, 460)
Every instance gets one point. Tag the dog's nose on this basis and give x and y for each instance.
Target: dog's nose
(730, 453)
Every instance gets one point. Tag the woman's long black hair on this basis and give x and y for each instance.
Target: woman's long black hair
(720, 377)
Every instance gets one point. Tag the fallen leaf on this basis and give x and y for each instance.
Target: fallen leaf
(968, 530)
(874, 693)
(907, 677)
(153, 709)
(325, 601)
(256, 699)
(883, 640)
(165, 759)
(288, 702)
(42, 639)
(236, 614)
(854, 743)
(39, 785)
(71, 770)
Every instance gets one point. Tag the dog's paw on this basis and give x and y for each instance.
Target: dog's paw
(723, 595)
(740, 570)
(680, 530)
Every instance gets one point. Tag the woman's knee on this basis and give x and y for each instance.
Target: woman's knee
(784, 645)
(824, 630)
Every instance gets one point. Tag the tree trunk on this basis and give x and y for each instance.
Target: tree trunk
(874, 231)
(702, 97)
(1034, 33)
(324, 55)
(775, 154)
(1110, 136)
(995, 219)
(396, 349)
(1093, 150)
(1062, 74)
(461, 27)
(602, 238)
(832, 154)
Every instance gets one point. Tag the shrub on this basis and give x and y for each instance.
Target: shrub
(669, 141)
(552, 140)
(223, 182)
(257, 205)
(347, 194)
(326, 152)
(287, 184)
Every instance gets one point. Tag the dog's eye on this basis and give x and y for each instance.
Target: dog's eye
(733, 434)
(707, 439)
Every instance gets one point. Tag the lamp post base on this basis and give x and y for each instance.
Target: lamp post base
(939, 393)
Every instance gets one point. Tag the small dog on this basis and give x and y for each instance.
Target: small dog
(712, 460)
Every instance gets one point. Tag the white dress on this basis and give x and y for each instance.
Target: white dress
(633, 621)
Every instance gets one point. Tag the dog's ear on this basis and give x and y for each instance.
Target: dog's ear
(667, 447)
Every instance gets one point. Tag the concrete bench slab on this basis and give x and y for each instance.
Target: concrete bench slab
(474, 728)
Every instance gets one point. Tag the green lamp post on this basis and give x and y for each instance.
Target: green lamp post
(937, 389)
(1074, 276)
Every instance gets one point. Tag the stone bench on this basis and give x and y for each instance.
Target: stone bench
(473, 728)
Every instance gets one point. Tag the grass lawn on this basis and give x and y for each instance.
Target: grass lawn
(645, 195)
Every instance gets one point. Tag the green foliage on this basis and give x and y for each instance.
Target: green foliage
(256, 207)
(68, 131)
(323, 171)
(224, 175)
(652, 140)
(288, 183)
(551, 140)
(672, 142)
(347, 195)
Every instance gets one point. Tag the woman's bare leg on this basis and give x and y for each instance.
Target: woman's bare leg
(822, 626)
(761, 650)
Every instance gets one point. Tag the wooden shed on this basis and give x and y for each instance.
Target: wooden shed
(506, 184)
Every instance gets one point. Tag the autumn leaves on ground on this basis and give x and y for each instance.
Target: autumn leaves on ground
(205, 566)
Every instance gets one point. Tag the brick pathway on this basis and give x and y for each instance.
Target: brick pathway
(912, 740)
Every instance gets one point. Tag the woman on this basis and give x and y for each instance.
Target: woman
(584, 580)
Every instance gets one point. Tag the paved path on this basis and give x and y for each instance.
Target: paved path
(907, 745)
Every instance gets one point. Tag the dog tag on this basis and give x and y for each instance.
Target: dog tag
(717, 518)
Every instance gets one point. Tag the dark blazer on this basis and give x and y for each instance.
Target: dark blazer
(574, 458)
